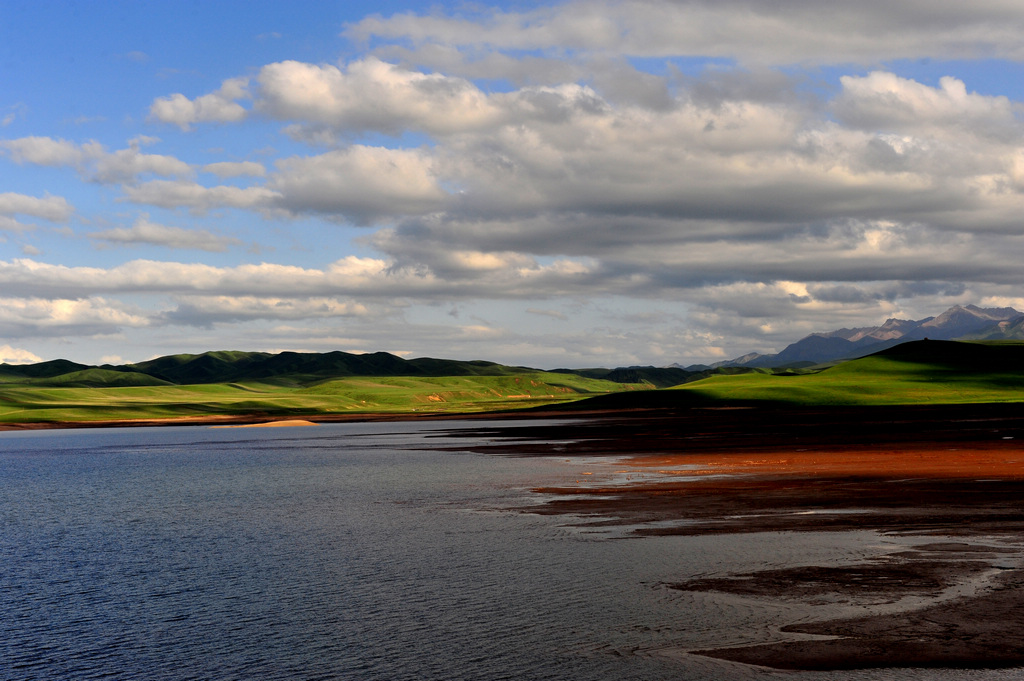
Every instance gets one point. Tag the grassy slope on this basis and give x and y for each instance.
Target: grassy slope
(23, 404)
(925, 372)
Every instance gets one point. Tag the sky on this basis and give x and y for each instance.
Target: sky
(573, 184)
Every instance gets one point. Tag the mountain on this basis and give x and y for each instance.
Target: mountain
(1008, 330)
(956, 323)
(296, 369)
(661, 377)
(284, 369)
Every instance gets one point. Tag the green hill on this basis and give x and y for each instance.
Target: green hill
(917, 372)
(310, 384)
(302, 369)
(351, 395)
(100, 378)
(286, 369)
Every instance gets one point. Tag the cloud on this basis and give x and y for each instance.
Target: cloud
(93, 161)
(9, 224)
(46, 151)
(9, 355)
(145, 232)
(52, 208)
(216, 107)
(36, 317)
(359, 183)
(554, 314)
(207, 311)
(126, 165)
(785, 32)
(197, 198)
(136, 56)
(360, 278)
(886, 102)
(226, 169)
(371, 95)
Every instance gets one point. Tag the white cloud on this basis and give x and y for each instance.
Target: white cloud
(226, 169)
(126, 165)
(359, 183)
(46, 151)
(52, 208)
(37, 317)
(886, 102)
(143, 231)
(9, 224)
(372, 95)
(352, 276)
(198, 198)
(216, 107)
(93, 161)
(218, 310)
(785, 32)
(9, 355)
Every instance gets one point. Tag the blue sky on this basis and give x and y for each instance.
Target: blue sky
(551, 184)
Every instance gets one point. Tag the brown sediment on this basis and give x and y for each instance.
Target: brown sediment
(953, 473)
(284, 423)
(982, 631)
(217, 420)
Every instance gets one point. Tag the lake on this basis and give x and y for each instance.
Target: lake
(354, 551)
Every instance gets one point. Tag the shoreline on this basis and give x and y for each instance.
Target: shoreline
(225, 421)
(256, 419)
(944, 484)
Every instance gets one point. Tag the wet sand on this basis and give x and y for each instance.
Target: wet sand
(286, 423)
(949, 481)
(213, 421)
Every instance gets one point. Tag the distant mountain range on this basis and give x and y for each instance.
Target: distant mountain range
(295, 369)
(956, 323)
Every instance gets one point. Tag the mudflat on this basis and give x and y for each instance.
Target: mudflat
(947, 479)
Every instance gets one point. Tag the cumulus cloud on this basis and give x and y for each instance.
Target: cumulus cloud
(36, 317)
(226, 169)
(786, 32)
(220, 106)
(198, 198)
(371, 95)
(9, 355)
(93, 161)
(359, 183)
(46, 151)
(352, 276)
(143, 231)
(52, 208)
(886, 102)
(207, 311)
(9, 224)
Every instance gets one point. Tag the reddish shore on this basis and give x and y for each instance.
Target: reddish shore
(215, 420)
(951, 474)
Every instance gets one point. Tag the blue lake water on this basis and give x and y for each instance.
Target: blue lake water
(351, 551)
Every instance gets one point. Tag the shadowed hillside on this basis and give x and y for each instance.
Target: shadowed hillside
(292, 369)
(916, 372)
